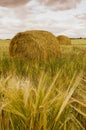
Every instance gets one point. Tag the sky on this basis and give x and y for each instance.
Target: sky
(61, 17)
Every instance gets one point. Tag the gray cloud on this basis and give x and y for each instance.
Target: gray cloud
(60, 4)
(13, 3)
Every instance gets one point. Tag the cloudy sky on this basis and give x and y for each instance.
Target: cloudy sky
(57, 16)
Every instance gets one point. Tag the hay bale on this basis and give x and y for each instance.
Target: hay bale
(35, 45)
(64, 40)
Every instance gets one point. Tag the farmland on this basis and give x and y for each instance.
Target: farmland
(44, 96)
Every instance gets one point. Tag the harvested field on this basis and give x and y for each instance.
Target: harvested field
(45, 96)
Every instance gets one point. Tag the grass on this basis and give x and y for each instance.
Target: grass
(47, 106)
(44, 96)
(79, 41)
(4, 45)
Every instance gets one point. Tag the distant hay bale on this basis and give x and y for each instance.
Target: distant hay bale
(35, 45)
(64, 40)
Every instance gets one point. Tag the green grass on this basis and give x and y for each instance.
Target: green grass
(43, 96)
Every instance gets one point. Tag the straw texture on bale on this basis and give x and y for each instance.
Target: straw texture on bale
(35, 45)
(64, 40)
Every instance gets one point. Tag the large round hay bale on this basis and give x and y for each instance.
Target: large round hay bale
(64, 40)
(35, 45)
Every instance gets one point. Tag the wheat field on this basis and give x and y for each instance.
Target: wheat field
(44, 95)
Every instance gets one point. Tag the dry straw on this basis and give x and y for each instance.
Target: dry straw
(35, 45)
(64, 40)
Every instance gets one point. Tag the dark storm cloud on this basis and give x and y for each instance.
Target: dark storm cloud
(60, 4)
(13, 3)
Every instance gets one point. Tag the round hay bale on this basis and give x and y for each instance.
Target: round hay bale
(35, 45)
(64, 40)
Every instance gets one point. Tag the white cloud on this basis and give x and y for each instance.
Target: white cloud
(60, 4)
(34, 15)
